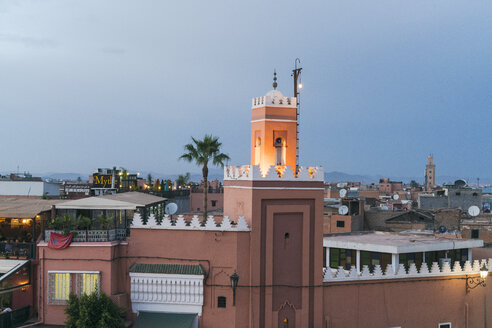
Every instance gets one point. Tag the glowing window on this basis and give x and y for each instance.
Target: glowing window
(89, 283)
(60, 286)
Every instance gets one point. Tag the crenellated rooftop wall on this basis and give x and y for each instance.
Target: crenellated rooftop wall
(273, 173)
(340, 274)
(181, 224)
(273, 101)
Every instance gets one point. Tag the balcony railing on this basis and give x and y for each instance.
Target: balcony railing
(14, 250)
(92, 235)
(14, 318)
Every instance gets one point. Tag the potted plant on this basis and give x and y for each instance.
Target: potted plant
(106, 223)
(84, 223)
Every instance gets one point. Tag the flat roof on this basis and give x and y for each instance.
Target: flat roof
(396, 243)
(136, 197)
(123, 201)
(12, 207)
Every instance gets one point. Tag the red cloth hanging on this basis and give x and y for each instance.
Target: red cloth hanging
(59, 241)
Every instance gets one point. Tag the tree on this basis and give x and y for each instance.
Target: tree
(414, 184)
(183, 180)
(202, 152)
(149, 180)
(93, 310)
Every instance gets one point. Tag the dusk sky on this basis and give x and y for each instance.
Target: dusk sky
(87, 84)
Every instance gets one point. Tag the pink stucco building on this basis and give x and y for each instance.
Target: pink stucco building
(271, 236)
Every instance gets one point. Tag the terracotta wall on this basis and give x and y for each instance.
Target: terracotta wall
(220, 253)
(405, 303)
(101, 257)
(196, 201)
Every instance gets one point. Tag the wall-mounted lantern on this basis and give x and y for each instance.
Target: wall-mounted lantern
(234, 280)
(474, 282)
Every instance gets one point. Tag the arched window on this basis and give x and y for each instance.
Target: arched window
(257, 151)
(279, 151)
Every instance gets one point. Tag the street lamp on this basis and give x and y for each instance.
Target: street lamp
(234, 280)
(474, 282)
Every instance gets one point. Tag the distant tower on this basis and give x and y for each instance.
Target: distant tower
(430, 173)
(273, 129)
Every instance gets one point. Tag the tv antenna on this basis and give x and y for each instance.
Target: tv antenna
(343, 210)
(170, 209)
(296, 73)
(473, 210)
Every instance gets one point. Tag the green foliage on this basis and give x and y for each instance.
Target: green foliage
(83, 223)
(149, 180)
(183, 180)
(202, 152)
(414, 184)
(64, 223)
(106, 222)
(72, 311)
(93, 310)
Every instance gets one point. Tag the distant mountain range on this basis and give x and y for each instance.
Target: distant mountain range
(214, 173)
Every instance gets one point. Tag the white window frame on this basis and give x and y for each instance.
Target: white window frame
(78, 281)
(445, 323)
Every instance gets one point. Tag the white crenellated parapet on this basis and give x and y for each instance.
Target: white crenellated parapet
(180, 223)
(334, 275)
(275, 99)
(273, 173)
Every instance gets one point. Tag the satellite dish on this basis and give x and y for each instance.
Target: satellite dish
(343, 210)
(343, 192)
(473, 210)
(171, 208)
(442, 229)
(396, 196)
(384, 208)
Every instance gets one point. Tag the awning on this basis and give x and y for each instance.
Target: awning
(14, 274)
(166, 320)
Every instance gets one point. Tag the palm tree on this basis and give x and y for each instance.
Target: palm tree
(201, 152)
(183, 180)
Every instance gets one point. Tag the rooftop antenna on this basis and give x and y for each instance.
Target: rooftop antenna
(296, 73)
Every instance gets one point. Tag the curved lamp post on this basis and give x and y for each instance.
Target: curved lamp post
(234, 281)
(474, 282)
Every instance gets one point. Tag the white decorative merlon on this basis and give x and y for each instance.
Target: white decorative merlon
(333, 275)
(274, 98)
(166, 292)
(181, 224)
(273, 173)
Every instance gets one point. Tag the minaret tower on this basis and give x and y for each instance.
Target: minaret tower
(273, 130)
(430, 173)
(282, 255)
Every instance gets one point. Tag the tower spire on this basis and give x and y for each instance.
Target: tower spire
(274, 80)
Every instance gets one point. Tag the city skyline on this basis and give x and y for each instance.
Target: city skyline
(118, 85)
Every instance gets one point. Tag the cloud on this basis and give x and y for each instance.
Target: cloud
(28, 41)
(113, 50)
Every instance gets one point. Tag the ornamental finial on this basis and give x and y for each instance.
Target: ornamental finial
(274, 80)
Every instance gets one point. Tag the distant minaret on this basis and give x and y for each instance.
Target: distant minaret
(430, 173)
